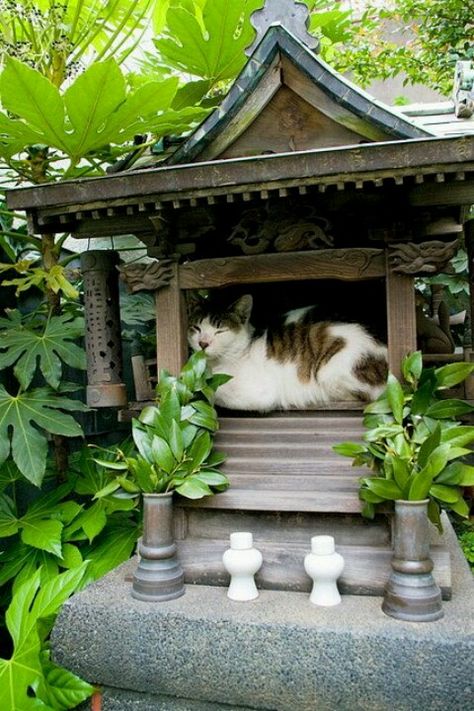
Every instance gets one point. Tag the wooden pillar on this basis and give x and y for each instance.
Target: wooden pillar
(171, 341)
(401, 317)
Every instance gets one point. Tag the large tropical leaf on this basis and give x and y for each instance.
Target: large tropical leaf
(28, 94)
(210, 45)
(22, 674)
(28, 348)
(95, 110)
(24, 421)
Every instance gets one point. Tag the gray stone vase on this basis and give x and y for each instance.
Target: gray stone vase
(159, 575)
(411, 593)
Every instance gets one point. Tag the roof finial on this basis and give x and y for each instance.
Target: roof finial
(290, 14)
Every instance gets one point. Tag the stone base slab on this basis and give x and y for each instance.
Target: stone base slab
(203, 652)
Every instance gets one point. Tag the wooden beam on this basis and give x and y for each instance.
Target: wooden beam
(346, 264)
(458, 192)
(401, 319)
(171, 343)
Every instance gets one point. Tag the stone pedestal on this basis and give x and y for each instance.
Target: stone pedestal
(203, 652)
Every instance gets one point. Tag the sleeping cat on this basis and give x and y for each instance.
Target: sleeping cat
(299, 364)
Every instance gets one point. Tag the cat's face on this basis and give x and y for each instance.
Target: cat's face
(219, 331)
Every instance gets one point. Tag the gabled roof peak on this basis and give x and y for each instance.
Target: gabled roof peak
(289, 14)
(282, 77)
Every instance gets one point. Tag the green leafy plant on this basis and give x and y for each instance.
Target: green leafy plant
(414, 444)
(28, 678)
(465, 532)
(173, 439)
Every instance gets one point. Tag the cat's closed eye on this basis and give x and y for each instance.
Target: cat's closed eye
(195, 328)
(222, 330)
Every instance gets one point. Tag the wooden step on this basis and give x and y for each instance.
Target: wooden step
(294, 467)
(253, 499)
(270, 482)
(365, 573)
(281, 527)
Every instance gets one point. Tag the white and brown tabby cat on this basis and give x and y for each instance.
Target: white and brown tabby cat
(299, 364)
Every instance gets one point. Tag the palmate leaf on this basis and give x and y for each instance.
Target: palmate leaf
(28, 349)
(29, 95)
(96, 110)
(24, 421)
(212, 45)
(23, 672)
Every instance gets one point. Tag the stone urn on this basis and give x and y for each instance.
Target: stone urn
(411, 593)
(159, 575)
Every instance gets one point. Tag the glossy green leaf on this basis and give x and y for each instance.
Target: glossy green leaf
(42, 533)
(412, 365)
(176, 441)
(193, 488)
(370, 496)
(428, 446)
(452, 374)
(445, 409)
(447, 494)
(162, 454)
(31, 604)
(90, 100)
(200, 449)
(458, 436)
(212, 478)
(378, 407)
(422, 398)
(349, 449)
(385, 488)
(62, 688)
(460, 507)
(27, 94)
(8, 519)
(24, 421)
(395, 396)
(210, 46)
(204, 416)
(401, 472)
(47, 350)
(142, 437)
(113, 547)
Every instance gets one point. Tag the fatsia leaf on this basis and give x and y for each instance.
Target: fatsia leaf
(28, 94)
(62, 688)
(90, 99)
(24, 420)
(112, 547)
(30, 604)
(27, 348)
(8, 518)
(212, 46)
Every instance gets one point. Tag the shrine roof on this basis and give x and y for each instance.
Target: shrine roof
(292, 86)
(129, 198)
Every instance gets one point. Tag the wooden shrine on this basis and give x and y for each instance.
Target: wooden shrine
(302, 189)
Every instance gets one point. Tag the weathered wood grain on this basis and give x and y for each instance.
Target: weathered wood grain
(171, 341)
(345, 264)
(284, 500)
(366, 570)
(401, 318)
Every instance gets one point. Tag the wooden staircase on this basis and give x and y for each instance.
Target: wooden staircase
(286, 485)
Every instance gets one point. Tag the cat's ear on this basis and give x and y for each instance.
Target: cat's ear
(243, 307)
(194, 304)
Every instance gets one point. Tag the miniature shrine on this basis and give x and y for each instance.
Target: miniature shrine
(301, 189)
